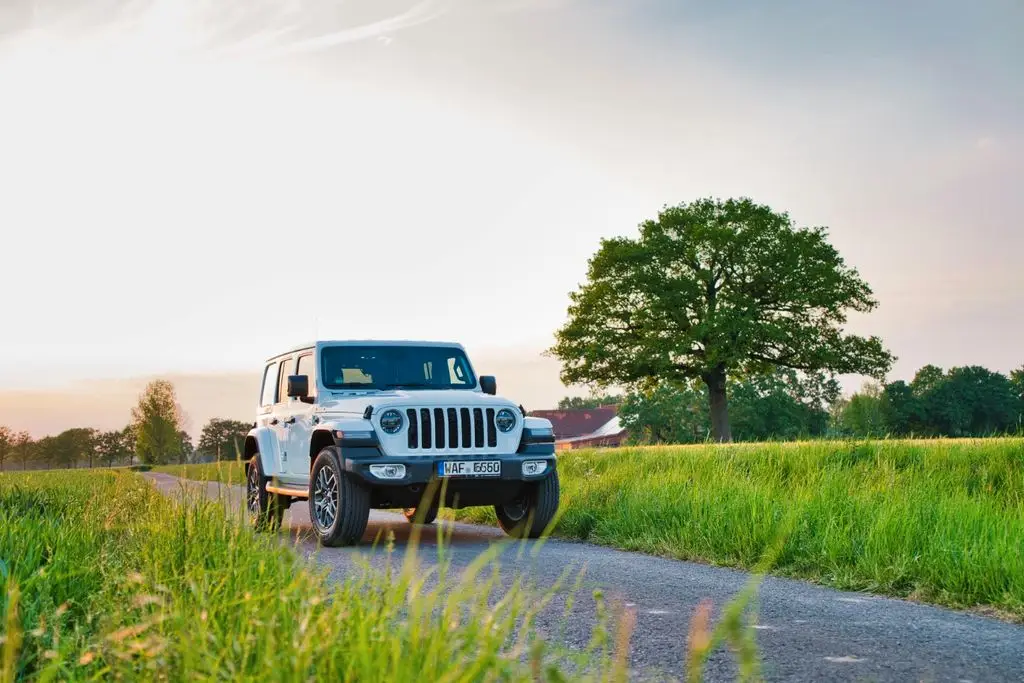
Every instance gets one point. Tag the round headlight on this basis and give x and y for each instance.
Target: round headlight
(391, 421)
(505, 419)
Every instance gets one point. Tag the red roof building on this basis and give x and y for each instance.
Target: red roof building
(586, 428)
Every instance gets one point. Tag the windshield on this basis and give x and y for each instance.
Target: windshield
(395, 367)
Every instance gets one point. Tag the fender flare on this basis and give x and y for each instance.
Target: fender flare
(263, 441)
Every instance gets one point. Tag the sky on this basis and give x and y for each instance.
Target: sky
(189, 186)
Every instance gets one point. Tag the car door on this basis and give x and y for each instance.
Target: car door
(282, 412)
(300, 427)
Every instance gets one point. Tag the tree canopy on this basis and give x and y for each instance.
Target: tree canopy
(157, 424)
(710, 289)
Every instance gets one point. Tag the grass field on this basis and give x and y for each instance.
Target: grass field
(940, 521)
(102, 578)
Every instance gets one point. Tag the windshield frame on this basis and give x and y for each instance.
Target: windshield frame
(391, 381)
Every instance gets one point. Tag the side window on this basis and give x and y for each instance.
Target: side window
(308, 368)
(282, 383)
(269, 384)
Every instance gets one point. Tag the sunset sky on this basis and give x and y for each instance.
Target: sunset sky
(187, 188)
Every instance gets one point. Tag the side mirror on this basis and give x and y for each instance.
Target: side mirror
(489, 385)
(298, 386)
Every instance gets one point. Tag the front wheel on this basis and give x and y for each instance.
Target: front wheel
(339, 506)
(530, 513)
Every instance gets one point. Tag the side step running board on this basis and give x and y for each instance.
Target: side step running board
(282, 491)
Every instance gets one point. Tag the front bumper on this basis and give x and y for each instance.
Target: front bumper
(421, 469)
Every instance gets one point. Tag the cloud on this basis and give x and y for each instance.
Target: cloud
(421, 13)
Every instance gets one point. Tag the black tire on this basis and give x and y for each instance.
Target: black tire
(428, 517)
(348, 498)
(530, 513)
(264, 508)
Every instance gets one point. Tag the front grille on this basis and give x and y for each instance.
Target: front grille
(451, 428)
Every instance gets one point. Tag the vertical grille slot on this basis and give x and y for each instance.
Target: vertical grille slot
(414, 441)
(453, 428)
(478, 428)
(425, 427)
(467, 438)
(444, 428)
(492, 433)
(439, 427)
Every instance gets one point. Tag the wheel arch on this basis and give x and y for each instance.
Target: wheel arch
(319, 440)
(260, 441)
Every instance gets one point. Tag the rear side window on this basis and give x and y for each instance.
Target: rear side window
(282, 386)
(308, 368)
(269, 384)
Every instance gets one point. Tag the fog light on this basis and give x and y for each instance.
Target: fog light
(532, 468)
(388, 471)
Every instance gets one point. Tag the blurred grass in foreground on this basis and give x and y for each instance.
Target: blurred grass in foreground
(104, 578)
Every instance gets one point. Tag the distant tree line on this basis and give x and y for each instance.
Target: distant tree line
(967, 401)
(155, 435)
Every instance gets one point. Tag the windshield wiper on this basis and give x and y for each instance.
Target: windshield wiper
(407, 385)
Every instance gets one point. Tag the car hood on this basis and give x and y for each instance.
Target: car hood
(357, 402)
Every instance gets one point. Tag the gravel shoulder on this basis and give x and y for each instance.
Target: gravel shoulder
(804, 632)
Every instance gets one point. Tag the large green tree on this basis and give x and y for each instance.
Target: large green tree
(157, 424)
(711, 289)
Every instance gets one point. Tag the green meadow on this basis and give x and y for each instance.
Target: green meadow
(940, 521)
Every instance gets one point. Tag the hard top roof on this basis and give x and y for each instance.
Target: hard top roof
(366, 342)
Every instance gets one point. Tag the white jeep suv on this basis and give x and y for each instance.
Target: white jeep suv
(355, 425)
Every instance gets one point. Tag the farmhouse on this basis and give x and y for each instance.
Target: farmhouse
(585, 428)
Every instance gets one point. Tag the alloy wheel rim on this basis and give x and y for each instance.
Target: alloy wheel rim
(516, 510)
(325, 497)
(253, 491)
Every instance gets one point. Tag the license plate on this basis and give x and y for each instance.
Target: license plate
(469, 468)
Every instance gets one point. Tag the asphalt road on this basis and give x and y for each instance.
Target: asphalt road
(804, 632)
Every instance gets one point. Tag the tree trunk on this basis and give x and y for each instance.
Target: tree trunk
(719, 405)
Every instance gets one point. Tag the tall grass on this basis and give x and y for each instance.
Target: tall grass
(104, 578)
(940, 521)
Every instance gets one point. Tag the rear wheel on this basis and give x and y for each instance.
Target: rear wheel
(428, 518)
(530, 513)
(265, 509)
(339, 507)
